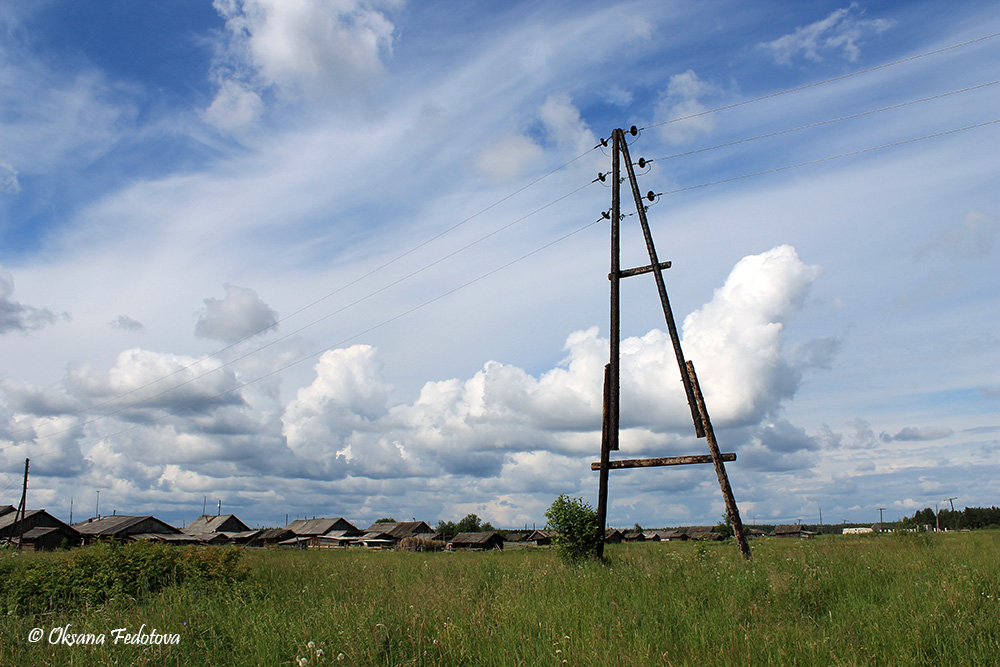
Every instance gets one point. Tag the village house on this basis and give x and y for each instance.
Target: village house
(792, 531)
(396, 531)
(488, 541)
(122, 528)
(37, 529)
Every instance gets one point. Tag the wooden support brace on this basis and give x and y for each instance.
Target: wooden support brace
(627, 273)
(663, 461)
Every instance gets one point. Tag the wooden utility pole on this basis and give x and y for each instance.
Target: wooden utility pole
(611, 411)
(22, 508)
(720, 470)
(609, 431)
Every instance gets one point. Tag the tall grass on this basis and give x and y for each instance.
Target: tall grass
(879, 600)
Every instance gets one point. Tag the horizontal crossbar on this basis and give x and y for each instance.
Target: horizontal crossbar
(662, 461)
(625, 273)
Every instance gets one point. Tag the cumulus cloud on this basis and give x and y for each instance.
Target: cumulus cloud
(180, 423)
(842, 32)
(736, 339)
(297, 48)
(681, 101)
(240, 314)
(16, 316)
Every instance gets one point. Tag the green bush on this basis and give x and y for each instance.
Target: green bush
(575, 524)
(110, 572)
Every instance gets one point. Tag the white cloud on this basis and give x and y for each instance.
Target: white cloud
(16, 316)
(509, 158)
(840, 32)
(564, 126)
(8, 179)
(681, 101)
(316, 49)
(735, 340)
(240, 314)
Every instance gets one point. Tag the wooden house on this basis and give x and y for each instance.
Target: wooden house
(322, 526)
(38, 529)
(614, 536)
(219, 523)
(672, 535)
(121, 528)
(397, 530)
(792, 531)
(704, 533)
(540, 537)
(488, 541)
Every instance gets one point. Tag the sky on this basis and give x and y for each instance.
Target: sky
(295, 258)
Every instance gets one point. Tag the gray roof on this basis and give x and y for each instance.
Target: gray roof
(475, 538)
(400, 529)
(112, 525)
(320, 526)
(5, 509)
(207, 523)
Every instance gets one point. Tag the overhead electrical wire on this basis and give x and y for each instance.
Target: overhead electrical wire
(313, 355)
(498, 269)
(830, 157)
(820, 83)
(821, 123)
(368, 296)
(522, 189)
(353, 282)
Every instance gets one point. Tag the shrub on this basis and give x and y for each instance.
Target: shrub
(575, 524)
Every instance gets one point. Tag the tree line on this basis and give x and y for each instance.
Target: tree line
(970, 518)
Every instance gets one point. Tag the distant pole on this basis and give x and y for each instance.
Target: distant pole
(821, 518)
(937, 517)
(204, 505)
(953, 515)
(220, 508)
(97, 510)
(880, 519)
(71, 511)
(22, 508)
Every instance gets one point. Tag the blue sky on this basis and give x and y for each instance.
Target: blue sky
(336, 258)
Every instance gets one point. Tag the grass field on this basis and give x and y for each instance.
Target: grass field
(915, 599)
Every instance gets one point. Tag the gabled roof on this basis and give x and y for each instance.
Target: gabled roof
(5, 509)
(207, 523)
(115, 524)
(320, 526)
(400, 529)
(9, 519)
(475, 538)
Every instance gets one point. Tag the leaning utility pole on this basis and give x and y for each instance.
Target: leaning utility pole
(611, 412)
(22, 507)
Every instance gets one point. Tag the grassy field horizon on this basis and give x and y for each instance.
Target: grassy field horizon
(912, 599)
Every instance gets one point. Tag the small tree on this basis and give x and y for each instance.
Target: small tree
(386, 519)
(575, 524)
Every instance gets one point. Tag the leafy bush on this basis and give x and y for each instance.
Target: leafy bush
(110, 572)
(575, 524)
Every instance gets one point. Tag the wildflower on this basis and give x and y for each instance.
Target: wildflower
(311, 645)
(340, 656)
(303, 662)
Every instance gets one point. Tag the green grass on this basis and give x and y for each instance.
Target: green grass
(866, 600)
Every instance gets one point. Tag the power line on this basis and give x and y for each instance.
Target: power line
(829, 158)
(821, 123)
(360, 300)
(375, 327)
(392, 319)
(331, 294)
(821, 83)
